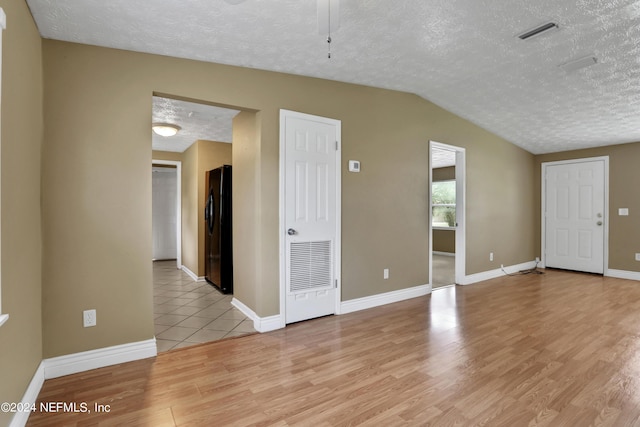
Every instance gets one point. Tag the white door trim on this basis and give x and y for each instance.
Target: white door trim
(461, 194)
(178, 165)
(282, 226)
(543, 228)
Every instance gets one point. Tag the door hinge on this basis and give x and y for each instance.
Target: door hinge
(336, 283)
(337, 146)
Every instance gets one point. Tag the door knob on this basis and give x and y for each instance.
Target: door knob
(599, 222)
(291, 232)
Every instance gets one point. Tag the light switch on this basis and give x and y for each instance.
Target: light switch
(623, 211)
(354, 166)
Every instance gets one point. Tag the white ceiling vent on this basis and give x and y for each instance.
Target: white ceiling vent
(579, 63)
(540, 29)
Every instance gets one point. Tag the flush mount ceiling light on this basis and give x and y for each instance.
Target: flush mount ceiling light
(540, 29)
(165, 129)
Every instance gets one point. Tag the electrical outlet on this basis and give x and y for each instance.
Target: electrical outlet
(490, 256)
(537, 260)
(386, 273)
(637, 257)
(89, 318)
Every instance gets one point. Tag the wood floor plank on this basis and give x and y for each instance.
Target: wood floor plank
(541, 350)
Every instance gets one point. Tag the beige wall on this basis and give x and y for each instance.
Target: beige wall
(245, 152)
(21, 140)
(211, 155)
(444, 174)
(190, 208)
(97, 208)
(499, 205)
(383, 214)
(167, 155)
(624, 174)
(444, 241)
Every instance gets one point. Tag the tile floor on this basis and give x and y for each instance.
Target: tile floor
(188, 312)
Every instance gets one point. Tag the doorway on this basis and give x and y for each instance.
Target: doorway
(166, 211)
(446, 215)
(188, 310)
(575, 214)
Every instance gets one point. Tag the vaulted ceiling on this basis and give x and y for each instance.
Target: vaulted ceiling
(464, 55)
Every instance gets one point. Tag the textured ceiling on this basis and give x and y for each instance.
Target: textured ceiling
(197, 121)
(460, 54)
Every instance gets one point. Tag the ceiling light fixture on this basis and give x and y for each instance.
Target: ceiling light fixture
(540, 29)
(165, 129)
(328, 19)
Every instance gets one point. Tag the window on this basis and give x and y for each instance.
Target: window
(443, 204)
(3, 25)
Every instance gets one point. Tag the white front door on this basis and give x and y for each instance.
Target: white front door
(311, 222)
(574, 215)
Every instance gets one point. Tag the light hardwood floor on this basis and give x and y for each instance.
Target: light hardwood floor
(559, 349)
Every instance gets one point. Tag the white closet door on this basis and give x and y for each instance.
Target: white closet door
(164, 213)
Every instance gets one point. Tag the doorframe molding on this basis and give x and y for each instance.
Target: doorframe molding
(543, 206)
(178, 165)
(284, 114)
(461, 197)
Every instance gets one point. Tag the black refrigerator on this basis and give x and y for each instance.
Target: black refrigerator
(218, 242)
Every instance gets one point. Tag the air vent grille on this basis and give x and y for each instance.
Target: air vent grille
(310, 264)
(579, 63)
(538, 30)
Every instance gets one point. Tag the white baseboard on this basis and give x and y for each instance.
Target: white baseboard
(260, 324)
(382, 299)
(271, 323)
(191, 274)
(92, 359)
(622, 274)
(492, 274)
(79, 362)
(444, 253)
(30, 397)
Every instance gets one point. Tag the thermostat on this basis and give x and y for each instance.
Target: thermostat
(354, 166)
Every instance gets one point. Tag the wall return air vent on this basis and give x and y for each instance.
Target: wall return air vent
(540, 29)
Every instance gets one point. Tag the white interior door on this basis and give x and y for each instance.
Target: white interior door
(164, 221)
(311, 221)
(575, 215)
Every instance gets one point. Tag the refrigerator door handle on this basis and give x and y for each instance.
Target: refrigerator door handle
(209, 213)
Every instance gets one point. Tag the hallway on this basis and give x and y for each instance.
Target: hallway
(188, 312)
